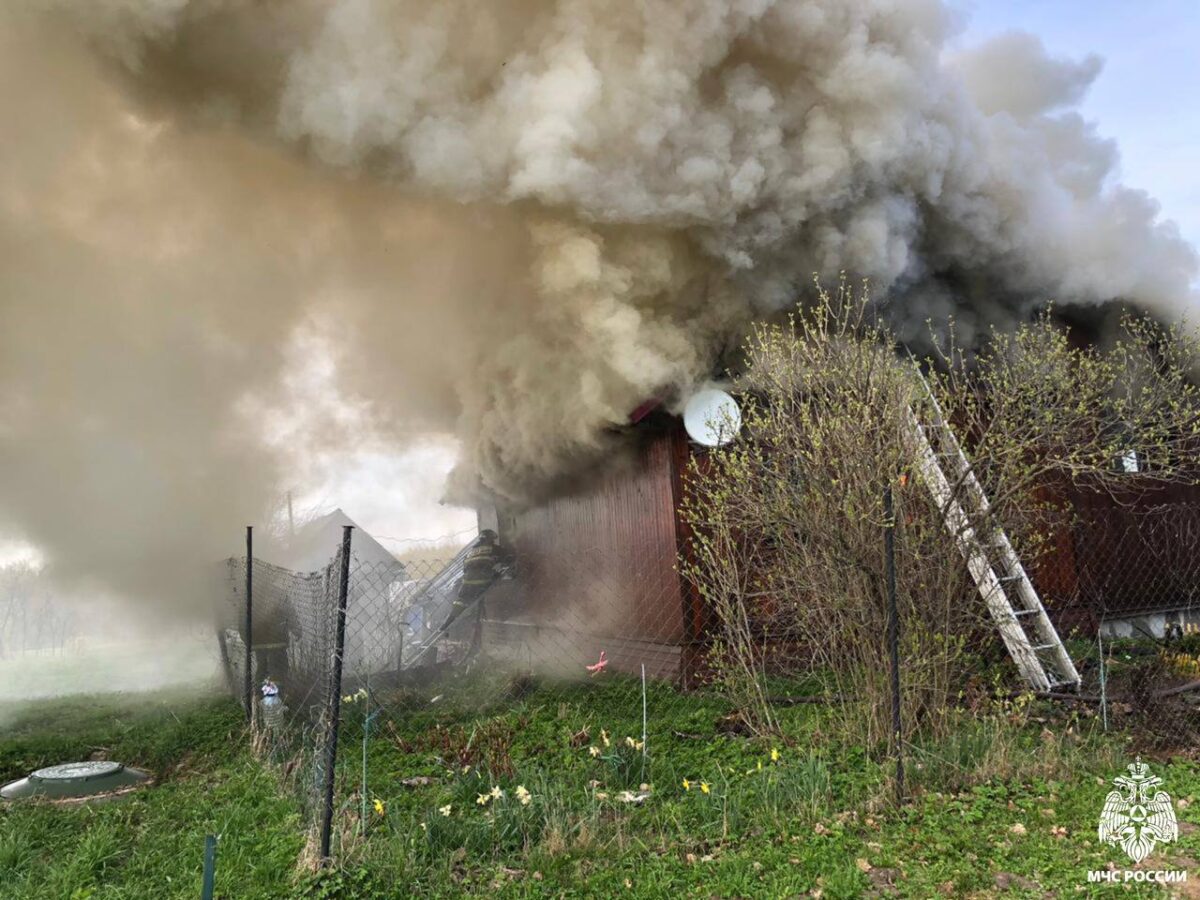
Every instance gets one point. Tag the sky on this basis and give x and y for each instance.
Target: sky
(1146, 97)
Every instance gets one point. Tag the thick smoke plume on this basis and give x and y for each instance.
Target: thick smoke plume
(512, 220)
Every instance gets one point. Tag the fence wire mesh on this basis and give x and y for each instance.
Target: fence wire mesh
(612, 645)
(1124, 586)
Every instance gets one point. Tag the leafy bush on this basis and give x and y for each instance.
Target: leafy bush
(788, 522)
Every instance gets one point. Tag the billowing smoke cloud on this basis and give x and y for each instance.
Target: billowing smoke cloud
(513, 220)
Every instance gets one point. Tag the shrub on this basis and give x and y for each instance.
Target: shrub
(787, 522)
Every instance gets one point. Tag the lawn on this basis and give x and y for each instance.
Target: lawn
(148, 844)
(1006, 806)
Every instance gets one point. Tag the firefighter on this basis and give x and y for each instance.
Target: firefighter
(481, 567)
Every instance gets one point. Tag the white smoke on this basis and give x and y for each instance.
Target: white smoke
(516, 219)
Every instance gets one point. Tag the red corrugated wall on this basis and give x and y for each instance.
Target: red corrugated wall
(602, 562)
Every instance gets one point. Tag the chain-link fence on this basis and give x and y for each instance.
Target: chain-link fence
(625, 657)
(1123, 584)
(412, 660)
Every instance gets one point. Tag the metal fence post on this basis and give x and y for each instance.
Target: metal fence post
(893, 634)
(335, 694)
(248, 686)
(1103, 675)
(210, 867)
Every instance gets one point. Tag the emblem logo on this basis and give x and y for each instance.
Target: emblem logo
(1138, 819)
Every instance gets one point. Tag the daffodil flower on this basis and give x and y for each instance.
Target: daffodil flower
(594, 750)
(446, 810)
(482, 799)
(523, 795)
(379, 807)
(687, 785)
(774, 755)
(604, 737)
(496, 793)
(704, 787)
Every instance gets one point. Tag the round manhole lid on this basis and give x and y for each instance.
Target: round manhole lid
(76, 772)
(76, 781)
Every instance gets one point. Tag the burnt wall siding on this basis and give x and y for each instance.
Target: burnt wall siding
(602, 562)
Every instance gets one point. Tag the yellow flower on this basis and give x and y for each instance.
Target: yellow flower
(482, 799)
(523, 795)
(604, 737)
(594, 750)
(496, 792)
(687, 785)
(760, 765)
(774, 755)
(379, 807)
(704, 787)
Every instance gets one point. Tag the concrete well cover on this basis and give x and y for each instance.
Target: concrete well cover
(74, 780)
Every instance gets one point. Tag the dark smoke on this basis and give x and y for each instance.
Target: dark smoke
(513, 221)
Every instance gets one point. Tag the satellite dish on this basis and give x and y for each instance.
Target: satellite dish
(712, 418)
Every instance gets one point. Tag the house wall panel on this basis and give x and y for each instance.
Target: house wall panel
(602, 562)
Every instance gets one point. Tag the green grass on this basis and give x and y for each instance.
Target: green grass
(820, 818)
(817, 819)
(150, 843)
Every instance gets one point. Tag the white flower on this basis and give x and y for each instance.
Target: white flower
(496, 793)
(523, 795)
(446, 810)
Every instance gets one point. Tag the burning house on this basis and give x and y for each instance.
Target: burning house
(598, 568)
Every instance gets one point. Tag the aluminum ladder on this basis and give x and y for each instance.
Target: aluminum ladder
(436, 597)
(1031, 638)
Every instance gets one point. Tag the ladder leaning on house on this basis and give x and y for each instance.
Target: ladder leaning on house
(1030, 636)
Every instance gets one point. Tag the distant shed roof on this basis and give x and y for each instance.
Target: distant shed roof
(316, 543)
